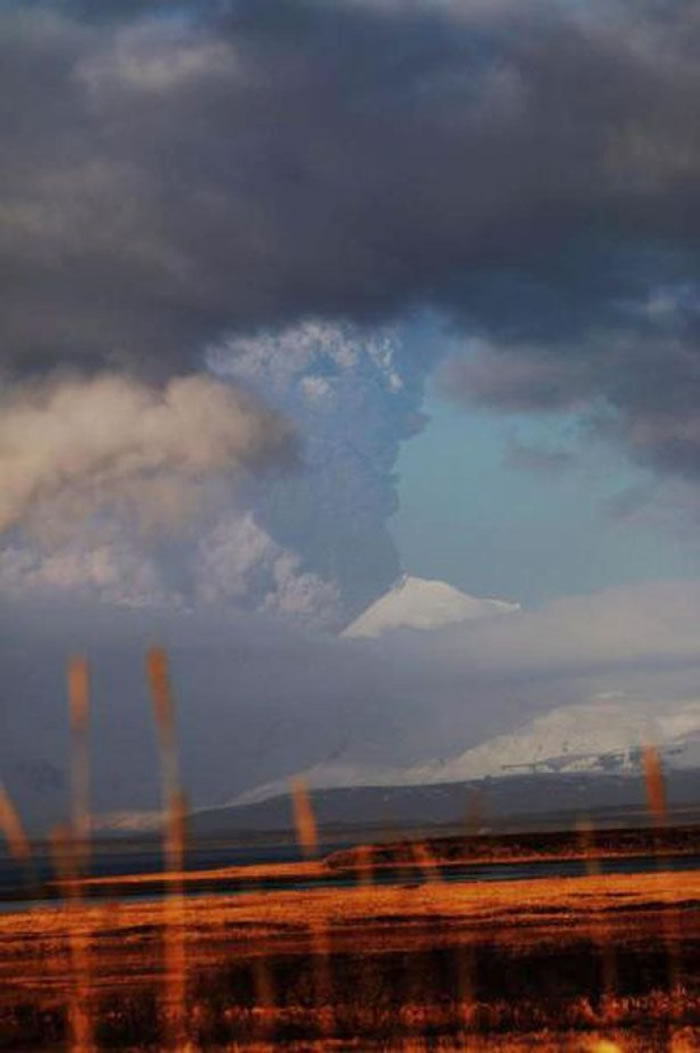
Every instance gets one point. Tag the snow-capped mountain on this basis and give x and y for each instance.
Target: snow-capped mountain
(602, 736)
(589, 741)
(331, 775)
(416, 603)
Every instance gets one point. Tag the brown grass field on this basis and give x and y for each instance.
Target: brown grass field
(570, 963)
(596, 963)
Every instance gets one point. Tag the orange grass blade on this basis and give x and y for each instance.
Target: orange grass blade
(79, 712)
(265, 997)
(65, 855)
(598, 928)
(304, 818)
(586, 840)
(164, 714)
(658, 808)
(174, 809)
(307, 837)
(174, 926)
(364, 868)
(466, 965)
(11, 826)
(426, 861)
(264, 987)
(71, 851)
(655, 784)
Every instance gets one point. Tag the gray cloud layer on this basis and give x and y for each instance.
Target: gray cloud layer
(178, 176)
(170, 173)
(167, 177)
(258, 702)
(354, 396)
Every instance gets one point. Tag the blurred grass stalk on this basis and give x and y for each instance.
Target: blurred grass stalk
(79, 714)
(11, 826)
(599, 928)
(304, 819)
(364, 868)
(66, 857)
(655, 784)
(70, 848)
(174, 813)
(307, 837)
(427, 863)
(18, 842)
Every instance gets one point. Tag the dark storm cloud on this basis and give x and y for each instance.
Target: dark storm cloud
(170, 172)
(640, 387)
(163, 179)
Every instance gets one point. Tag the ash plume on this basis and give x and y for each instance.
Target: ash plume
(109, 439)
(178, 178)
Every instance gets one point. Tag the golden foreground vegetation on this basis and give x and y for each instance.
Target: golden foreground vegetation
(593, 963)
(596, 963)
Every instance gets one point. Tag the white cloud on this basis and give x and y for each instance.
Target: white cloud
(302, 595)
(158, 57)
(283, 358)
(238, 561)
(115, 573)
(635, 626)
(112, 441)
(234, 565)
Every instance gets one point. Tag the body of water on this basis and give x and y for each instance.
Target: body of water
(20, 889)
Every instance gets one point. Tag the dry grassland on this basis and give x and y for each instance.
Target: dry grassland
(516, 965)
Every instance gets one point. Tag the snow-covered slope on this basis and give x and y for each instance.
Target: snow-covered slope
(145, 822)
(330, 775)
(415, 603)
(601, 736)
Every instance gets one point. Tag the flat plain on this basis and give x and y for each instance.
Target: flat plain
(604, 962)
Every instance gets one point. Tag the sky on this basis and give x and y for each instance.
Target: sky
(303, 295)
(503, 508)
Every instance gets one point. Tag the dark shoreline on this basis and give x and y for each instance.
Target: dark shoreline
(549, 854)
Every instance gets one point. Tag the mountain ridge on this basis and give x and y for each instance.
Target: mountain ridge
(602, 735)
(425, 604)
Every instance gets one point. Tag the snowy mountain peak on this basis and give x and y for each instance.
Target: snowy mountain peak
(601, 735)
(416, 603)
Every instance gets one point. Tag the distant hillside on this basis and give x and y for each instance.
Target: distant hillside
(523, 801)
